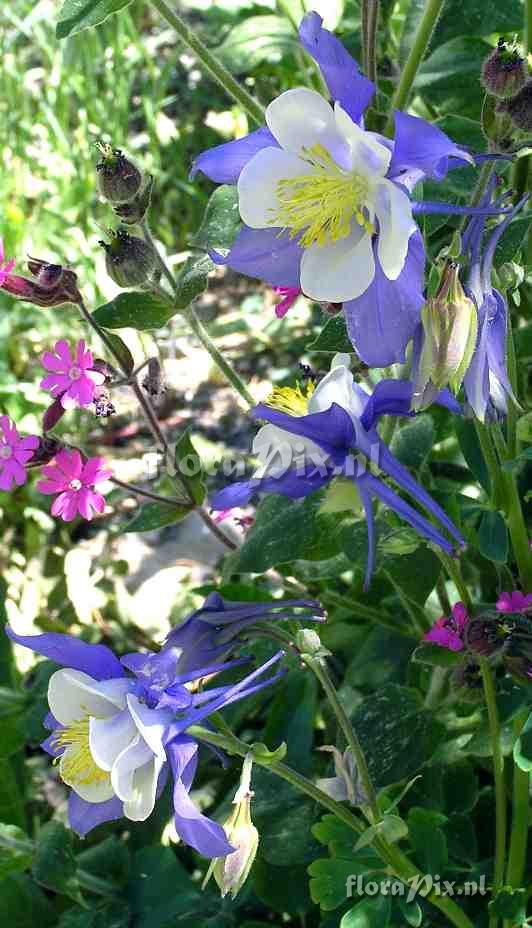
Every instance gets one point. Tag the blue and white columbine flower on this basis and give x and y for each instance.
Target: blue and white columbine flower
(116, 734)
(326, 204)
(311, 439)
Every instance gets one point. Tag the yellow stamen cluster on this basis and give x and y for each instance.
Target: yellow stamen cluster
(322, 203)
(292, 400)
(79, 768)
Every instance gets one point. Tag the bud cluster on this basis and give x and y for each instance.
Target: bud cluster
(505, 77)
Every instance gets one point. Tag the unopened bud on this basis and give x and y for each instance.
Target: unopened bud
(520, 108)
(53, 414)
(485, 635)
(346, 785)
(153, 381)
(48, 448)
(133, 212)
(130, 261)
(119, 179)
(450, 326)
(308, 642)
(504, 72)
(231, 872)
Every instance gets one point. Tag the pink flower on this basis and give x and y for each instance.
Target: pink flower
(290, 295)
(514, 602)
(73, 378)
(5, 266)
(15, 452)
(448, 630)
(74, 481)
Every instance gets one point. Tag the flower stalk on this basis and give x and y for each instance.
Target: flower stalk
(498, 773)
(520, 819)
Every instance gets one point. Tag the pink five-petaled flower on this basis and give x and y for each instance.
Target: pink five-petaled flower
(15, 452)
(75, 483)
(290, 295)
(5, 266)
(72, 379)
(448, 630)
(514, 602)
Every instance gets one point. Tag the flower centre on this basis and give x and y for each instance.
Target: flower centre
(292, 400)
(75, 485)
(6, 452)
(74, 372)
(323, 203)
(78, 767)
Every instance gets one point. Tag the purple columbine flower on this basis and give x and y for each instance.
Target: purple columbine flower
(116, 735)
(326, 204)
(312, 437)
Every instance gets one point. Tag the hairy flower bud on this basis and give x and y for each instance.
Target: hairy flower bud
(485, 635)
(231, 872)
(450, 326)
(133, 212)
(520, 108)
(129, 260)
(153, 382)
(119, 179)
(504, 72)
(47, 450)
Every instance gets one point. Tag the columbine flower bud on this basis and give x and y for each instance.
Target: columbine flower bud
(231, 872)
(129, 260)
(450, 325)
(504, 72)
(520, 108)
(118, 178)
(133, 212)
(307, 641)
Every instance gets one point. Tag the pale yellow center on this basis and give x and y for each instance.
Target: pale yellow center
(79, 767)
(292, 400)
(322, 204)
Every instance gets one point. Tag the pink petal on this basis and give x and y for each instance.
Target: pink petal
(95, 471)
(62, 348)
(6, 479)
(57, 383)
(51, 487)
(84, 503)
(70, 463)
(460, 616)
(29, 442)
(15, 471)
(52, 363)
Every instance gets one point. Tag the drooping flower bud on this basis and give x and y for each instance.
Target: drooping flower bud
(231, 872)
(449, 322)
(130, 261)
(53, 285)
(504, 72)
(119, 179)
(346, 786)
(133, 212)
(153, 382)
(47, 449)
(520, 108)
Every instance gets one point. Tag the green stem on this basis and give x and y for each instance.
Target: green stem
(520, 818)
(492, 464)
(511, 418)
(452, 566)
(229, 373)
(370, 39)
(211, 63)
(498, 773)
(139, 491)
(527, 34)
(421, 40)
(319, 669)
(483, 180)
(514, 514)
(401, 865)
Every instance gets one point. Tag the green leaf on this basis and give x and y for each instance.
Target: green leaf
(280, 888)
(16, 850)
(493, 537)
(473, 18)
(460, 786)
(510, 904)
(188, 467)
(11, 800)
(435, 656)
(156, 515)
(54, 863)
(23, 904)
(524, 428)
(284, 820)
(428, 839)
(463, 131)
(329, 877)
(76, 15)
(221, 220)
(470, 448)
(255, 40)
(395, 733)
(192, 280)
(291, 718)
(411, 912)
(134, 310)
(333, 338)
(391, 827)
(523, 747)
(373, 912)
(122, 351)
(161, 892)
(512, 240)
(412, 443)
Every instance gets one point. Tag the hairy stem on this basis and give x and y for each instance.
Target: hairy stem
(370, 39)
(211, 63)
(513, 510)
(421, 40)
(227, 370)
(452, 567)
(140, 491)
(498, 773)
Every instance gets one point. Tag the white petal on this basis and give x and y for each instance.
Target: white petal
(368, 156)
(257, 184)
(301, 118)
(140, 806)
(278, 450)
(109, 737)
(396, 225)
(338, 387)
(99, 791)
(135, 755)
(339, 271)
(72, 695)
(152, 724)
